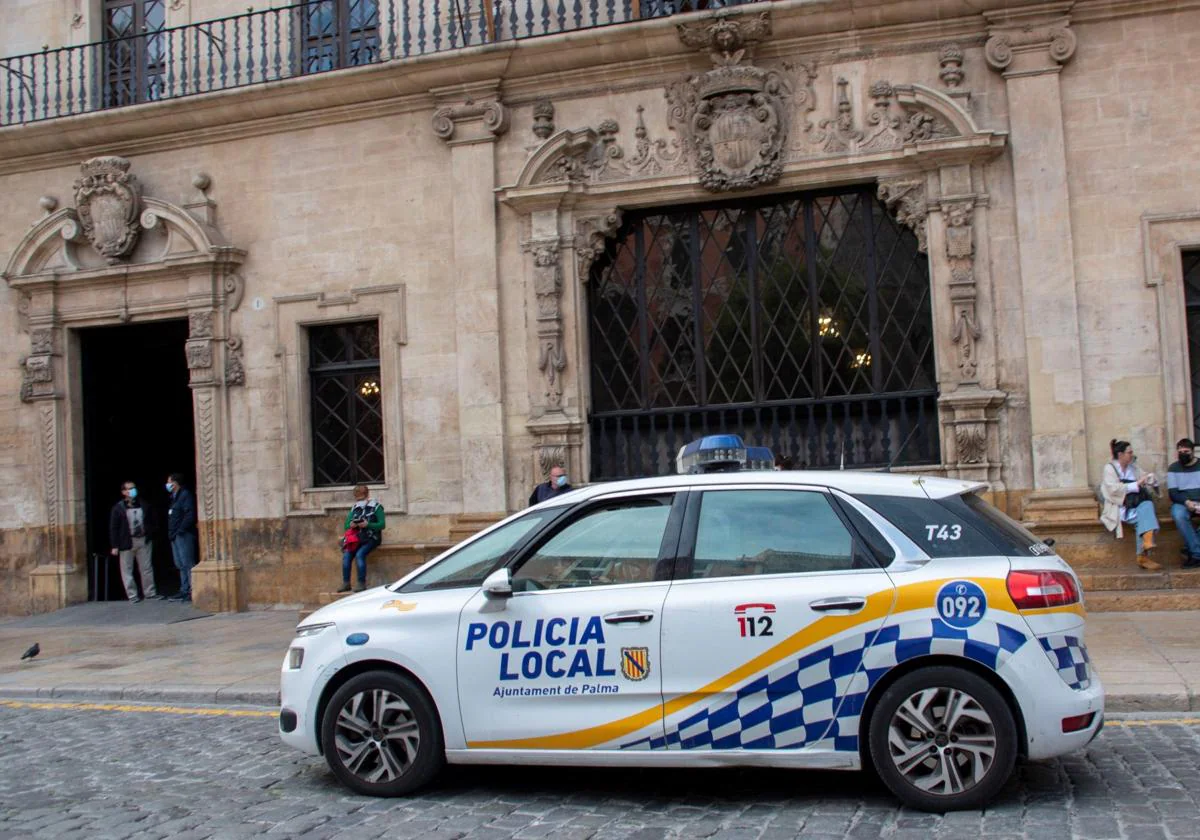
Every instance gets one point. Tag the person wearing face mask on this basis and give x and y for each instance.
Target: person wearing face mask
(129, 527)
(181, 530)
(556, 485)
(1183, 485)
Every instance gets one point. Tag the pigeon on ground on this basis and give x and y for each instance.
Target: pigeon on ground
(32, 652)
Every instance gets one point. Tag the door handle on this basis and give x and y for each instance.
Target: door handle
(829, 604)
(629, 617)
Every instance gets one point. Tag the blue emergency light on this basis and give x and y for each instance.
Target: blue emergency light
(722, 453)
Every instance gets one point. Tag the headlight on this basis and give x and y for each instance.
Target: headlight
(312, 629)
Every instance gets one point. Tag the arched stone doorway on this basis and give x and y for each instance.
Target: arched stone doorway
(118, 257)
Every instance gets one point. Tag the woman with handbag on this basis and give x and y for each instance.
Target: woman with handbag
(363, 531)
(1127, 494)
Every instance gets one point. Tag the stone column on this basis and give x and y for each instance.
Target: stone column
(470, 119)
(214, 361)
(1028, 47)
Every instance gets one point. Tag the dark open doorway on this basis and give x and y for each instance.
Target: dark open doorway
(137, 426)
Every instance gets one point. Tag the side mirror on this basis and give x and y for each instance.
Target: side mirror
(498, 584)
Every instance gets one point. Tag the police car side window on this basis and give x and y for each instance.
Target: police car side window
(769, 532)
(470, 565)
(611, 544)
(940, 530)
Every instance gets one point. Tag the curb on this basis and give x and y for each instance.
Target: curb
(227, 696)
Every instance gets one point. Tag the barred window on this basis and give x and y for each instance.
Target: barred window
(347, 407)
(134, 51)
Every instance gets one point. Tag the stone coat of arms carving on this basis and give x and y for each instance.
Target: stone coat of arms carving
(108, 199)
(735, 117)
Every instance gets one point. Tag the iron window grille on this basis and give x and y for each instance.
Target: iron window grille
(802, 322)
(1191, 293)
(134, 51)
(338, 33)
(347, 408)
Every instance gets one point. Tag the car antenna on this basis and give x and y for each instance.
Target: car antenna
(904, 445)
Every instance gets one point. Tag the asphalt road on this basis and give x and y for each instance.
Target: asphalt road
(78, 770)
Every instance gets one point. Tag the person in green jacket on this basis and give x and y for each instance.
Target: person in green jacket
(363, 533)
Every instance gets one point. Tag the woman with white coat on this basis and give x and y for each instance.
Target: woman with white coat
(1126, 492)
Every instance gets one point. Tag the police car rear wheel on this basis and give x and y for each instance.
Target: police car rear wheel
(943, 739)
(380, 735)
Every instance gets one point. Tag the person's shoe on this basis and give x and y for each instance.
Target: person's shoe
(345, 587)
(1190, 562)
(157, 598)
(361, 587)
(135, 600)
(176, 598)
(1146, 563)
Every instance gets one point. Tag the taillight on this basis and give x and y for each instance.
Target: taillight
(1038, 590)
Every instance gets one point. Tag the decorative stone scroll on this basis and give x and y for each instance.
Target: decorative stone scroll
(108, 200)
(491, 114)
(1024, 43)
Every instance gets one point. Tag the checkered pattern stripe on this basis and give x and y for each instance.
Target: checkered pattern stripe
(1069, 656)
(796, 704)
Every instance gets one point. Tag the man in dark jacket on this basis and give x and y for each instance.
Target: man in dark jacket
(1183, 485)
(555, 486)
(181, 530)
(129, 528)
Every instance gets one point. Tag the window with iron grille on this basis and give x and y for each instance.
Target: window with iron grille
(1191, 292)
(802, 323)
(338, 33)
(347, 408)
(134, 51)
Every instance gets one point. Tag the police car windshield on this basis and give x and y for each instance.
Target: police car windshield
(469, 565)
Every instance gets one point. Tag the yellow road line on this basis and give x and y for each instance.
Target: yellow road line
(129, 707)
(1184, 721)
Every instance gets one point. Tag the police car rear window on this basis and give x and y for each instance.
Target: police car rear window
(958, 526)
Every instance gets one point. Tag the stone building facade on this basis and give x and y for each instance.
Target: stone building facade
(1040, 157)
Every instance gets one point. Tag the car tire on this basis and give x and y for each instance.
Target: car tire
(943, 739)
(381, 735)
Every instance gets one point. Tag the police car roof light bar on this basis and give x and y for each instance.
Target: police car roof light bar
(722, 453)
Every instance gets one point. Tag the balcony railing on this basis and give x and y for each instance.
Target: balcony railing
(317, 36)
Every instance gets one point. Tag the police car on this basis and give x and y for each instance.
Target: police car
(713, 618)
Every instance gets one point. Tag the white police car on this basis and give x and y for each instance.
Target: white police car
(784, 619)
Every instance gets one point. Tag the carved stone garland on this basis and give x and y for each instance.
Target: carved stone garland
(547, 288)
(960, 252)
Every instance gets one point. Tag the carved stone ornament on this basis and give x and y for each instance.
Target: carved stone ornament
(41, 341)
(960, 254)
(235, 371)
(547, 288)
(970, 439)
(200, 324)
(108, 200)
(596, 156)
(199, 354)
(905, 198)
(37, 377)
(543, 118)
(735, 117)
(838, 133)
(591, 238)
(950, 57)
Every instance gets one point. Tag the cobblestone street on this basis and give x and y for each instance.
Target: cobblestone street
(81, 770)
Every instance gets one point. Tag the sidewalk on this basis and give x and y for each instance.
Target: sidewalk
(155, 651)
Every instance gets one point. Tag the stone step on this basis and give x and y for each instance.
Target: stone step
(1101, 551)
(1141, 600)
(1098, 581)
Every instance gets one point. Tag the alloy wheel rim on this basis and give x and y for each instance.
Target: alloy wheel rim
(942, 741)
(377, 736)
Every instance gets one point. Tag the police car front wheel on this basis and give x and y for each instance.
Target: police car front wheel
(381, 736)
(943, 739)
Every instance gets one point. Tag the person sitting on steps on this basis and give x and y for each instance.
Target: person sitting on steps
(363, 534)
(1183, 485)
(1126, 491)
